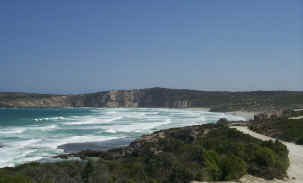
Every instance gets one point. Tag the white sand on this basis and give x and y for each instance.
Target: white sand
(205, 109)
(249, 179)
(244, 114)
(299, 117)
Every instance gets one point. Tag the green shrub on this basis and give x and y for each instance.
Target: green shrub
(232, 168)
(87, 171)
(15, 179)
(265, 157)
(220, 154)
(211, 162)
(300, 141)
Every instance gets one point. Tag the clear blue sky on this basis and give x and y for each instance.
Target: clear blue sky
(78, 46)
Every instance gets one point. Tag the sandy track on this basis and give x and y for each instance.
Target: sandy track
(295, 170)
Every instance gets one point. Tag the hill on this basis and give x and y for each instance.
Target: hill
(162, 97)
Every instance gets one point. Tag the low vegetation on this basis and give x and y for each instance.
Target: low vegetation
(205, 153)
(164, 97)
(283, 127)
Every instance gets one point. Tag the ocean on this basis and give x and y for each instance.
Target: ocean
(34, 134)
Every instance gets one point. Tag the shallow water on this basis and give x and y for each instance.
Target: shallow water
(31, 134)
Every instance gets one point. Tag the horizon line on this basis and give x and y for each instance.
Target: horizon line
(206, 90)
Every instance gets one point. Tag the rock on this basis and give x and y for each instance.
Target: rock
(160, 97)
(223, 121)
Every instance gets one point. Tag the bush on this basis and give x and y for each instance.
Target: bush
(18, 179)
(211, 162)
(233, 168)
(220, 154)
(15, 179)
(300, 141)
(222, 121)
(265, 157)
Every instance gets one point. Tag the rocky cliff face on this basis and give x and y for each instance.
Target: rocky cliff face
(162, 97)
(123, 98)
(181, 104)
(33, 100)
(114, 98)
(128, 98)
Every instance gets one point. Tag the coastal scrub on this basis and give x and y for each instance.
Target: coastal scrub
(205, 153)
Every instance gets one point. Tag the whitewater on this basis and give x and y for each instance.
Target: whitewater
(34, 134)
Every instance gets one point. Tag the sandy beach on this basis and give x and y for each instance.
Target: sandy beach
(244, 114)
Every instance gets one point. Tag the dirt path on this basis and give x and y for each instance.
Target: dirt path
(295, 170)
(299, 117)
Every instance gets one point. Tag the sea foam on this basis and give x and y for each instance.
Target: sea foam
(36, 138)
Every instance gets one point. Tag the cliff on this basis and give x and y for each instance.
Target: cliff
(33, 100)
(162, 97)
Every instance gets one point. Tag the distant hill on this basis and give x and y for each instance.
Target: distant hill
(162, 97)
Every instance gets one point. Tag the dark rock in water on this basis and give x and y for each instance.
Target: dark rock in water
(222, 121)
(118, 148)
(95, 146)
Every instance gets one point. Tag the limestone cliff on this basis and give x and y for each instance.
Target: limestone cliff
(162, 97)
(33, 100)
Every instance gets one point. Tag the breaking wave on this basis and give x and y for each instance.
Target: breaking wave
(37, 134)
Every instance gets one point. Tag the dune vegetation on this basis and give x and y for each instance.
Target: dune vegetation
(206, 153)
(285, 127)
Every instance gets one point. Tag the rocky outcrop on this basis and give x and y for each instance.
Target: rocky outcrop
(182, 104)
(33, 100)
(114, 98)
(129, 98)
(162, 97)
(138, 146)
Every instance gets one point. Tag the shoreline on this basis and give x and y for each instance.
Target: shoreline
(95, 146)
(245, 114)
(248, 115)
(116, 143)
(69, 144)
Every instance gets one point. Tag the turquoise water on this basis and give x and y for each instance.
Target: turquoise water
(32, 134)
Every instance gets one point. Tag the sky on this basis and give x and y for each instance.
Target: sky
(77, 46)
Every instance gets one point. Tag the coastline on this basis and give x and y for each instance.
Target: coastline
(92, 150)
(248, 115)
(137, 144)
(205, 109)
(95, 146)
(117, 143)
(245, 114)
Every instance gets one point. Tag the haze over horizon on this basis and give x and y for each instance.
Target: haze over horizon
(80, 47)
